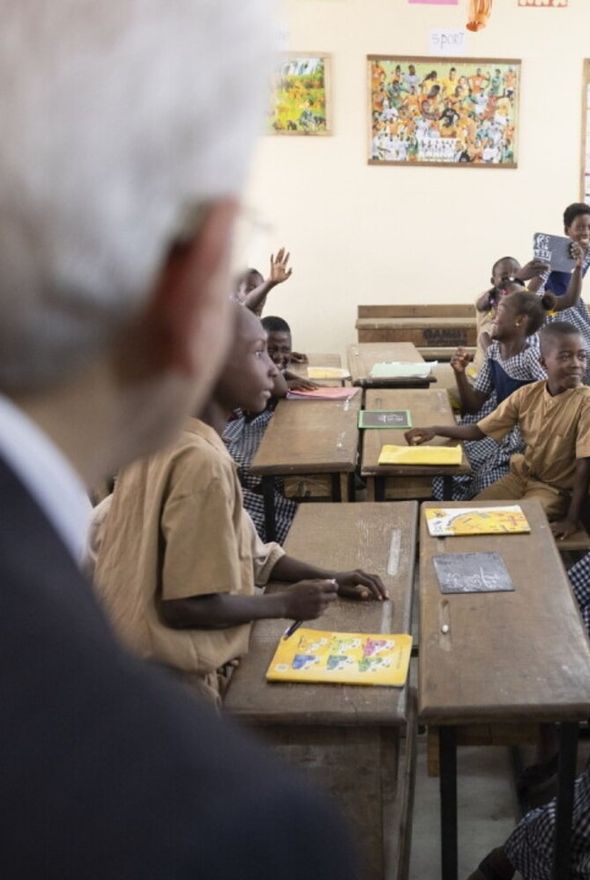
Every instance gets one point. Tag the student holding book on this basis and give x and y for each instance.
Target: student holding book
(511, 362)
(554, 419)
(179, 557)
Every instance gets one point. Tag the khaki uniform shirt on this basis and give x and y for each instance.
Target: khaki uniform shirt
(556, 430)
(176, 528)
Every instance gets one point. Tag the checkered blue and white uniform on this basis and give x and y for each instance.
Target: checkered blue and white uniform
(242, 436)
(490, 460)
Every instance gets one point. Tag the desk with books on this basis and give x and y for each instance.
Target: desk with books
(510, 657)
(346, 737)
(335, 373)
(387, 481)
(365, 357)
(318, 437)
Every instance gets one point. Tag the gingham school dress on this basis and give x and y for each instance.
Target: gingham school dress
(490, 460)
(242, 436)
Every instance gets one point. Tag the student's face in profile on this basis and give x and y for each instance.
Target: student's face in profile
(579, 229)
(565, 361)
(248, 377)
(279, 348)
(505, 321)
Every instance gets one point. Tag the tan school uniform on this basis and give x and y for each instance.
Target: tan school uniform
(556, 431)
(176, 528)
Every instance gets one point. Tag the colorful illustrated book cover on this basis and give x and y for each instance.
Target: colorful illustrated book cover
(342, 658)
(401, 370)
(472, 573)
(327, 373)
(385, 418)
(445, 521)
(420, 455)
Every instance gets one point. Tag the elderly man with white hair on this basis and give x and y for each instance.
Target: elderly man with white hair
(126, 131)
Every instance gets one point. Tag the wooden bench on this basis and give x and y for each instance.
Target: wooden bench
(346, 738)
(439, 328)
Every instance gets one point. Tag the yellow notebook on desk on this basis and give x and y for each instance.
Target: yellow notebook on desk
(327, 373)
(311, 655)
(416, 455)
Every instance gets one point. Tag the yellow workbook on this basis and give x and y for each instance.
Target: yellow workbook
(342, 658)
(446, 521)
(417, 455)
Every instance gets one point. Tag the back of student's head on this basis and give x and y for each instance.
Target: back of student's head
(533, 307)
(576, 209)
(273, 324)
(552, 334)
(115, 143)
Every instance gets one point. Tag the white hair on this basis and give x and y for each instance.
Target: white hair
(119, 117)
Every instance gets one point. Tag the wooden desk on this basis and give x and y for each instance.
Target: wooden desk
(345, 737)
(309, 437)
(364, 355)
(426, 408)
(510, 658)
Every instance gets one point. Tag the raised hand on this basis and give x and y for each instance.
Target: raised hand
(279, 267)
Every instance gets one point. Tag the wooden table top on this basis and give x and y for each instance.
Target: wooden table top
(319, 360)
(427, 407)
(507, 656)
(362, 356)
(310, 436)
(344, 537)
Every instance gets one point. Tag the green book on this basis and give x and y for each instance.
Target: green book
(385, 418)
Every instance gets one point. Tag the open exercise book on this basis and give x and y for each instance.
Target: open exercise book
(402, 370)
(445, 521)
(342, 658)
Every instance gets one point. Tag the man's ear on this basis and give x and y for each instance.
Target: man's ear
(186, 320)
(542, 362)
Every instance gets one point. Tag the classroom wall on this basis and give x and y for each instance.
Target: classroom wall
(377, 234)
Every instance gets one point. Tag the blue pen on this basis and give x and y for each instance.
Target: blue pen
(291, 629)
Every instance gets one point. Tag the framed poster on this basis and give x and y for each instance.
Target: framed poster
(300, 103)
(443, 111)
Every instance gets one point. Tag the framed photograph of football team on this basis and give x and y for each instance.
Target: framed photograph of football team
(300, 102)
(443, 111)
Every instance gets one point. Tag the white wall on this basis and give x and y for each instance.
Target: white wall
(371, 234)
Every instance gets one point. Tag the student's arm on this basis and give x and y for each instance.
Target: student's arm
(574, 288)
(299, 383)
(471, 400)
(355, 584)
(417, 436)
(570, 524)
(303, 601)
(533, 272)
(279, 273)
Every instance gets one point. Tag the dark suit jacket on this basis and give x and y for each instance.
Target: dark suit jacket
(107, 769)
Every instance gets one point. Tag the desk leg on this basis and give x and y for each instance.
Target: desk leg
(568, 748)
(336, 490)
(447, 488)
(448, 801)
(379, 488)
(268, 494)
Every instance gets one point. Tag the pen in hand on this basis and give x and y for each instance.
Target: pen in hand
(291, 629)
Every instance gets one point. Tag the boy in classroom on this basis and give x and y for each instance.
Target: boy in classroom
(511, 362)
(244, 432)
(252, 289)
(179, 558)
(554, 419)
